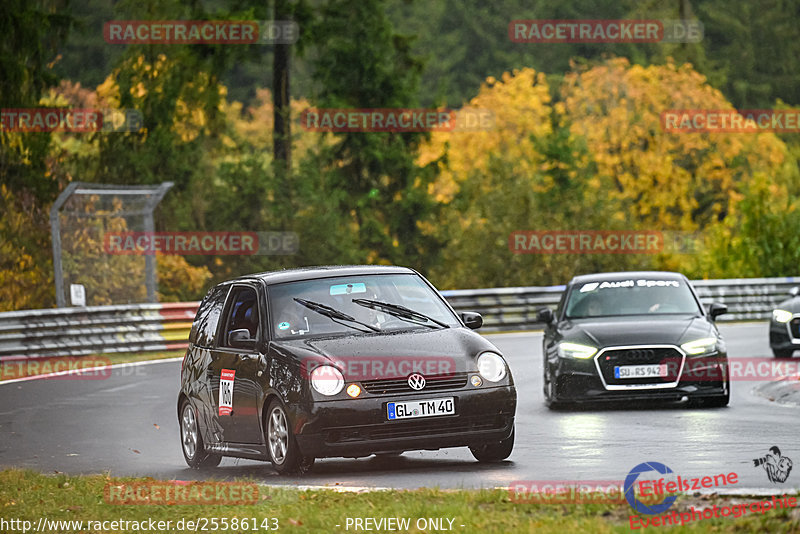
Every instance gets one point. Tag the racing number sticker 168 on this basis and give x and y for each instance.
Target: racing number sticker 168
(226, 391)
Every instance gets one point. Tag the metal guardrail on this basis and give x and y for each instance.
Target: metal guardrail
(95, 330)
(515, 308)
(159, 327)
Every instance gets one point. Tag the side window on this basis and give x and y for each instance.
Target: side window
(205, 323)
(242, 313)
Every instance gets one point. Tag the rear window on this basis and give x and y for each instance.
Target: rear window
(205, 323)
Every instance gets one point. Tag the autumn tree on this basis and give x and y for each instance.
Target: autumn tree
(379, 187)
(590, 154)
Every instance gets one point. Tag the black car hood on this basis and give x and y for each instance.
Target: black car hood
(614, 331)
(459, 344)
(792, 305)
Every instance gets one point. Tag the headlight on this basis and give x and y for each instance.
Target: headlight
(574, 350)
(700, 346)
(327, 380)
(491, 366)
(781, 316)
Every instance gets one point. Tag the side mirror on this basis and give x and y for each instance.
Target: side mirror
(794, 291)
(473, 320)
(241, 339)
(716, 309)
(545, 315)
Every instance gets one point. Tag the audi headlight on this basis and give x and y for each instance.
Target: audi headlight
(781, 316)
(700, 346)
(327, 380)
(491, 366)
(575, 350)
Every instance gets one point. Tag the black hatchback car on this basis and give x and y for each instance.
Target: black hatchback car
(633, 336)
(784, 328)
(293, 365)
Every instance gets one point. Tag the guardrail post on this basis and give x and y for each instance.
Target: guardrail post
(55, 237)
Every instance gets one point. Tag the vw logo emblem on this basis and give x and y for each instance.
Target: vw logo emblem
(416, 381)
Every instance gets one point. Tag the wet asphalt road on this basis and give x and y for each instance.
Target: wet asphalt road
(127, 425)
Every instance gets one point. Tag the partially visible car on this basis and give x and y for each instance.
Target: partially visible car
(633, 336)
(293, 365)
(784, 327)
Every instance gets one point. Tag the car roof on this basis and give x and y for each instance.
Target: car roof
(625, 275)
(323, 271)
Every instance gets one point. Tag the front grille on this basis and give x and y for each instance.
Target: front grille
(408, 429)
(612, 358)
(794, 327)
(387, 386)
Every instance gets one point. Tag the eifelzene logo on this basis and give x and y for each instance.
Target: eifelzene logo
(776, 465)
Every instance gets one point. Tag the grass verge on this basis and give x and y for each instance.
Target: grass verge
(29, 496)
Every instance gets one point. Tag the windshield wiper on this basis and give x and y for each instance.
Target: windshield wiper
(334, 314)
(400, 311)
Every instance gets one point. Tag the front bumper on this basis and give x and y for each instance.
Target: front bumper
(578, 381)
(359, 427)
(781, 335)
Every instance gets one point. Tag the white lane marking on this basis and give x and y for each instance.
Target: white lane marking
(742, 492)
(117, 389)
(90, 369)
(341, 489)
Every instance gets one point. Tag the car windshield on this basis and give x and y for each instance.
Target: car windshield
(346, 305)
(630, 297)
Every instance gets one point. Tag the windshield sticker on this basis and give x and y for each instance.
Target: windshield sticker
(591, 286)
(283, 326)
(657, 283)
(347, 289)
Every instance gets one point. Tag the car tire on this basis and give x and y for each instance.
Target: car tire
(494, 452)
(783, 353)
(192, 442)
(717, 402)
(550, 399)
(282, 447)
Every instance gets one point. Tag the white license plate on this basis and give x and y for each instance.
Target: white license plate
(420, 408)
(658, 370)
